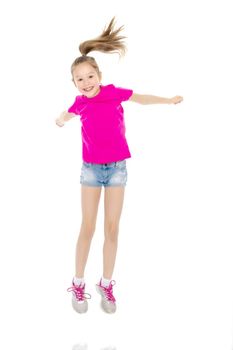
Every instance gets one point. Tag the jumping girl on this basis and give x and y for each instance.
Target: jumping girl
(104, 153)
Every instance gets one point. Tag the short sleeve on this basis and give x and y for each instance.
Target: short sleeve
(123, 94)
(75, 107)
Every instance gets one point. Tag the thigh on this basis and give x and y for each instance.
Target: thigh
(113, 203)
(90, 197)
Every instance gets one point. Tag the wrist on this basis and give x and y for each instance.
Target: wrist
(64, 117)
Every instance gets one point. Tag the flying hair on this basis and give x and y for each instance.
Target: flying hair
(110, 41)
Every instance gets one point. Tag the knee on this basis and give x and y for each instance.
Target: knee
(111, 231)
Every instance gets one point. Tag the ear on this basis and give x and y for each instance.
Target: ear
(73, 82)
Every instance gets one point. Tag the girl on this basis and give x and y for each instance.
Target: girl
(105, 151)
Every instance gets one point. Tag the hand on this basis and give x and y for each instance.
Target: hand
(60, 121)
(176, 99)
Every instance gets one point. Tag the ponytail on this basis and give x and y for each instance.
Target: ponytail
(109, 41)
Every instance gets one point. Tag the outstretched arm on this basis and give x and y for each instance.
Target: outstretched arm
(64, 117)
(151, 99)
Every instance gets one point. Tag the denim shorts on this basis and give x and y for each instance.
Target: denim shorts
(107, 174)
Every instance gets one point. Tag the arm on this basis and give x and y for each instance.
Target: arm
(64, 117)
(151, 99)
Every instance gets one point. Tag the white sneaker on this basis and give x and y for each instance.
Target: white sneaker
(79, 297)
(108, 302)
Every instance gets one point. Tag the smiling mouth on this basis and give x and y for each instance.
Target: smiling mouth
(88, 89)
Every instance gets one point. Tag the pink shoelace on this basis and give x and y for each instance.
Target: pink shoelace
(108, 291)
(79, 292)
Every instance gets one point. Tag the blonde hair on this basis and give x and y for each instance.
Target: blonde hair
(108, 42)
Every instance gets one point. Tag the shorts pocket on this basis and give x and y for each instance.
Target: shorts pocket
(121, 164)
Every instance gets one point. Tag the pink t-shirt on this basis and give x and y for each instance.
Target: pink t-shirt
(103, 126)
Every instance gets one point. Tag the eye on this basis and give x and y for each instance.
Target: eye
(79, 79)
(90, 76)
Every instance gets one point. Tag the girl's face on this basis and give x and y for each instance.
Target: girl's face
(86, 79)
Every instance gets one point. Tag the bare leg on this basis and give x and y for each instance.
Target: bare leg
(90, 197)
(113, 203)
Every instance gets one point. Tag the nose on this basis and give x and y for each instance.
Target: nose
(85, 84)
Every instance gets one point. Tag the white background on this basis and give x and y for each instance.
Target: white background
(174, 266)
